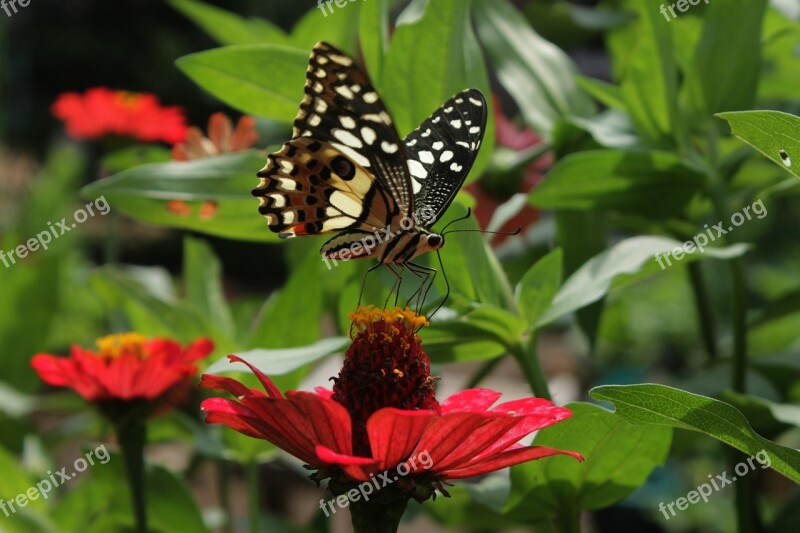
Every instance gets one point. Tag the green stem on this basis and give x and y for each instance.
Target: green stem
(377, 516)
(747, 517)
(528, 360)
(253, 496)
(704, 310)
(223, 482)
(484, 372)
(132, 437)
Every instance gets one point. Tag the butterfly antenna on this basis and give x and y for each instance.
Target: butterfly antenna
(465, 217)
(515, 232)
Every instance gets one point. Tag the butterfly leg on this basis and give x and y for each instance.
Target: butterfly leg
(397, 283)
(364, 281)
(428, 275)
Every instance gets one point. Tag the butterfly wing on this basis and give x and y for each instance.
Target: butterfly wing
(346, 167)
(442, 150)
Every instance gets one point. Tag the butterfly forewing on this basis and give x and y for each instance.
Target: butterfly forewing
(341, 107)
(442, 150)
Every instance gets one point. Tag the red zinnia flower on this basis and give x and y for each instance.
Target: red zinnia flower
(222, 138)
(125, 368)
(100, 112)
(383, 411)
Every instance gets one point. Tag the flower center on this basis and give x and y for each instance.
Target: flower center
(384, 367)
(113, 346)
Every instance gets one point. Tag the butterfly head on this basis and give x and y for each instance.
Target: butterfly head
(434, 241)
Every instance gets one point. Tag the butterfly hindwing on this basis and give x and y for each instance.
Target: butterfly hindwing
(309, 187)
(342, 108)
(442, 150)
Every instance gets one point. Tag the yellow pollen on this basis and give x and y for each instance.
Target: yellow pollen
(397, 372)
(363, 317)
(113, 346)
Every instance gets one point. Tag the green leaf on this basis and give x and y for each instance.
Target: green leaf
(727, 64)
(281, 361)
(148, 313)
(658, 405)
(538, 287)
(228, 28)
(202, 274)
(428, 62)
(338, 28)
(593, 280)
(265, 80)
(373, 36)
(538, 75)
(654, 184)
(649, 73)
(292, 317)
(215, 193)
(619, 458)
(769, 132)
(459, 341)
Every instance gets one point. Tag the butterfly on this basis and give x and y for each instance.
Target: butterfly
(347, 171)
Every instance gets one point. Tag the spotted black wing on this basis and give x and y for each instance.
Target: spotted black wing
(346, 166)
(441, 153)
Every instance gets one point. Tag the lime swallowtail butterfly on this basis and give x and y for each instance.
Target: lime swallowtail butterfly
(347, 171)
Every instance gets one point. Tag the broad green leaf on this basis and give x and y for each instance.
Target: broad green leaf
(619, 458)
(280, 361)
(727, 64)
(538, 287)
(228, 28)
(428, 62)
(593, 280)
(781, 74)
(211, 195)
(265, 80)
(373, 36)
(148, 313)
(654, 184)
(538, 75)
(459, 341)
(338, 28)
(658, 405)
(202, 274)
(649, 74)
(14, 479)
(606, 93)
(582, 235)
(292, 317)
(773, 133)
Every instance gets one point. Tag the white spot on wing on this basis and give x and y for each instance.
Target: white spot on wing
(368, 134)
(438, 145)
(426, 157)
(347, 122)
(388, 147)
(416, 169)
(286, 184)
(354, 155)
(455, 123)
(455, 167)
(348, 138)
(345, 92)
(346, 204)
(446, 156)
(278, 200)
(370, 97)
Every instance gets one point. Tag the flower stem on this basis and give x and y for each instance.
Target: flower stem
(704, 310)
(377, 516)
(132, 437)
(253, 496)
(528, 360)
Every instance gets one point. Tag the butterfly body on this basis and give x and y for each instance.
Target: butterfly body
(347, 171)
